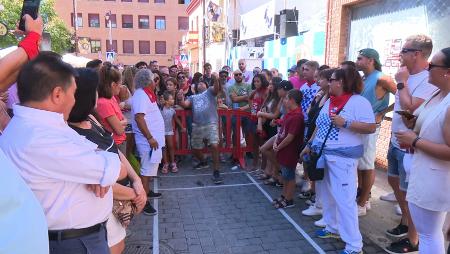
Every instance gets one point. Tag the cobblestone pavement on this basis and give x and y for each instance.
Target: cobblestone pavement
(196, 216)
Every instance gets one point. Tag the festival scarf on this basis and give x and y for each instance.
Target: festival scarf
(337, 103)
(151, 95)
(310, 83)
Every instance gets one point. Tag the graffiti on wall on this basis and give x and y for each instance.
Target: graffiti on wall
(391, 51)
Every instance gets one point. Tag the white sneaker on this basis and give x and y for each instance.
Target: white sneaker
(306, 186)
(320, 223)
(362, 210)
(368, 205)
(398, 211)
(390, 197)
(312, 211)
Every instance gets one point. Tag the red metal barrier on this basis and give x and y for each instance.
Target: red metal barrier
(235, 148)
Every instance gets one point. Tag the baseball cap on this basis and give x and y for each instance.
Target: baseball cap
(293, 68)
(371, 53)
(223, 71)
(285, 85)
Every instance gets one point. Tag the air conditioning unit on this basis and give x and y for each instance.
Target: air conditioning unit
(235, 37)
(288, 23)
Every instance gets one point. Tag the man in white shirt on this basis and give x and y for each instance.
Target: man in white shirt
(412, 90)
(68, 175)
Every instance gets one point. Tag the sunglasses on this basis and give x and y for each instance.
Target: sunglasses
(406, 50)
(238, 74)
(431, 66)
(181, 77)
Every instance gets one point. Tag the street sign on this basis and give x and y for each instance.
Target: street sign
(3, 29)
(110, 55)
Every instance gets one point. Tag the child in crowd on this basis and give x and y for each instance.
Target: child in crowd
(169, 116)
(287, 146)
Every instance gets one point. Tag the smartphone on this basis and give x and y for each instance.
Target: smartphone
(406, 114)
(30, 7)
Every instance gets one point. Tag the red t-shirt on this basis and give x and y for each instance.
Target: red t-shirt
(293, 123)
(107, 108)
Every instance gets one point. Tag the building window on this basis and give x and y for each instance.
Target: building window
(96, 46)
(144, 47)
(144, 22)
(110, 0)
(160, 22)
(113, 21)
(94, 20)
(127, 21)
(128, 47)
(143, 1)
(114, 46)
(160, 47)
(183, 23)
(160, 1)
(79, 20)
(128, 1)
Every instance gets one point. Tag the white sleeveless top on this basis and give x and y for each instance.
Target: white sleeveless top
(429, 182)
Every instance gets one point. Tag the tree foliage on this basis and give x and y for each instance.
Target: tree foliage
(60, 35)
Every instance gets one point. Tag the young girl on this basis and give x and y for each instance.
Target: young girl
(168, 114)
(256, 99)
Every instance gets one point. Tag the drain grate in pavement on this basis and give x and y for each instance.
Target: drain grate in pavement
(146, 248)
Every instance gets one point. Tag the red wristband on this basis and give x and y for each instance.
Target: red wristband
(31, 44)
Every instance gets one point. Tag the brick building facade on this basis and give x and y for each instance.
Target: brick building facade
(142, 30)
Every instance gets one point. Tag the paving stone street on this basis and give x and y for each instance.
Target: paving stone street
(195, 216)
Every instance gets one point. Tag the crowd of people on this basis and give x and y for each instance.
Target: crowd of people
(80, 147)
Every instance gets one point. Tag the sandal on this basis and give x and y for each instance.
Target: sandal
(263, 177)
(277, 200)
(270, 181)
(284, 204)
(174, 168)
(165, 169)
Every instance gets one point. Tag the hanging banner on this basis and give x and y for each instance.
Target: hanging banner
(258, 22)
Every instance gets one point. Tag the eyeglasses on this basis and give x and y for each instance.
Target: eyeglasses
(406, 50)
(332, 79)
(181, 77)
(238, 74)
(431, 66)
(223, 76)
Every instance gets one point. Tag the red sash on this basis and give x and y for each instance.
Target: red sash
(338, 102)
(151, 95)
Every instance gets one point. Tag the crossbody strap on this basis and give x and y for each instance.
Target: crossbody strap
(328, 134)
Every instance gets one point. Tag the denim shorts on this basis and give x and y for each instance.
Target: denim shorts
(395, 166)
(287, 173)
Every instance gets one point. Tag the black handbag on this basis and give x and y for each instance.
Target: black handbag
(315, 173)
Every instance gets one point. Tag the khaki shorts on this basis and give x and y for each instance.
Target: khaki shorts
(200, 133)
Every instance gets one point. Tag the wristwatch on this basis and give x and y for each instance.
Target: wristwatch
(400, 86)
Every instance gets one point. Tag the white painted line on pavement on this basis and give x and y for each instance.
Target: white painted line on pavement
(208, 187)
(155, 220)
(225, 173)
(288, 218)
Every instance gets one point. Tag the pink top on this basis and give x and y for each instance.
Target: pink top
(297, 82)
(110, 107)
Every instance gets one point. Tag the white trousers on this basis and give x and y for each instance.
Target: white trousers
(429, 226)
(340, 210)
(319, 190)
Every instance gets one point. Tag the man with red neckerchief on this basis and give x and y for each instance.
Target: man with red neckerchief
(287, 146)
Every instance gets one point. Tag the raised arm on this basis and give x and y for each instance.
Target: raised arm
(28, 48)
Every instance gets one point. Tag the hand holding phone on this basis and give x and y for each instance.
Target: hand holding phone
(30, 7)
(406, 114)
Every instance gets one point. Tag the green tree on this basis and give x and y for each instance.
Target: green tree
(60, 35)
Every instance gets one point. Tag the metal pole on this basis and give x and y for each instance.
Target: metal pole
(204, 32)
(75, 24)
